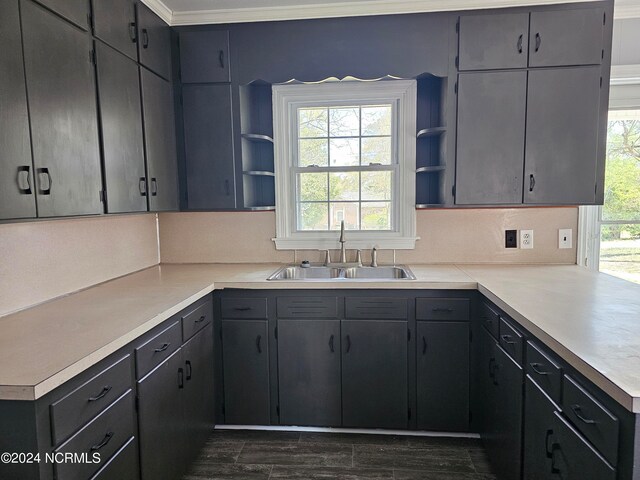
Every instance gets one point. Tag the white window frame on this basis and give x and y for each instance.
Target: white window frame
(286, 100)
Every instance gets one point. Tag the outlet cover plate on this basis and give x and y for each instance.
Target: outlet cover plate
(510, 239)
(565, 238)
(526, 239)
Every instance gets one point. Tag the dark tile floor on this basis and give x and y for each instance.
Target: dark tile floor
(261, 455)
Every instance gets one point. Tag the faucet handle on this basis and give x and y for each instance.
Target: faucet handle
(374, 257)
(359, 257)
(327, 257)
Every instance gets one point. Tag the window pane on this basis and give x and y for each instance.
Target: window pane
(344, 186)
(312, 216)
(344, 152)
(620, 251)
(313, 187)
(344, 122)
(313, 152)
(312, 122)
(376, 216)
(347, 211)
(376, 150)
(376, 120)
(376, 185)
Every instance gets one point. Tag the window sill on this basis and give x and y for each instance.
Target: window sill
(389, 243)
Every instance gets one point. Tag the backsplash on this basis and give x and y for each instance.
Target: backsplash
(446, 236)
(46, 259)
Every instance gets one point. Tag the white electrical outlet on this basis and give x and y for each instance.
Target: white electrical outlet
(565, 238)
(526, 238)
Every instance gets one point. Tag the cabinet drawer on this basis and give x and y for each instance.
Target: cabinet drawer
(442, 309)
(157, 349)
(595, 422)
(375, 307)
(196, 319)
(490, 319)
(307, 307)
(545, 372)
(511, 340)
(123, 465)
(104, 435)
(244, 307)
(89, 399)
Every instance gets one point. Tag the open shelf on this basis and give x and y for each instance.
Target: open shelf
(257, 137)
(432, 169)
(431, 132)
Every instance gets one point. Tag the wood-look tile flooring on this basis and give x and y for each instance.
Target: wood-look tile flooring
(264, 455)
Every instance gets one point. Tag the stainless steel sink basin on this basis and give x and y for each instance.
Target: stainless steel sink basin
(322, 273)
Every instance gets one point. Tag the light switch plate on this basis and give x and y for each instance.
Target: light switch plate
(526, 239)
(565, 238)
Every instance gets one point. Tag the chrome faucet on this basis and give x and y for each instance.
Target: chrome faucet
(374, 257)
(343, 252)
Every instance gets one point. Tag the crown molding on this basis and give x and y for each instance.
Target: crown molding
(623, 9)
(625, 74)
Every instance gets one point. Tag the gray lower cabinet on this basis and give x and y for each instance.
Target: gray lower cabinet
(245, 347)
(562, 155)
(443, 376)
(17, 194)
(63, 114)
(309, 372)
(114, 22)
(374, 374)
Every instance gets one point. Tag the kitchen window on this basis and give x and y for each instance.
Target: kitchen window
(345, 151)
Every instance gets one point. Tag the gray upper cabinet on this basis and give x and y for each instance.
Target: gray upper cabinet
(208, 139)
(114, 22)
(17, 197)
(562, 151)
(64, 120)
(122, 144)
(490, 137)
(76, 11)
(493, 41)
(154, 42)
(204, 57)
(566, 37)
(160, 142)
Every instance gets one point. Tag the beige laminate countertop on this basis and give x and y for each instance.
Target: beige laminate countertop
(591, 320)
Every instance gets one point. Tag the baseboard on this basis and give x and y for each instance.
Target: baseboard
(365, 431)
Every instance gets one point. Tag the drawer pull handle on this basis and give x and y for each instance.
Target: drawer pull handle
(538, 41)
(424, 345)
(258, 346)
(442, 310)
(154, 187)
(348, 343)
(548, 450)
(243, 309)
(145, 38)
(162, 348)
(520, 43)
(142, 186)
(132, 32)
(180, 378)
(577, 410)
(536, 368)
(331, 347)
(507, 339)
(107, 438)
(189, 370)
(201, 319)
(106, 389)
(221, 58)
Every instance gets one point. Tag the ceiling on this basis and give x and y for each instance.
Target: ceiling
(197, 12)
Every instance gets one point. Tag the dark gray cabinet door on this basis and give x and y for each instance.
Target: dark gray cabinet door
(160, 142)
(154, 42)
(76, 11)
(493, 41)
(161, 421)
(561, 156)
(539, 430)
(122, 142)
(17, 197)
(198, 391)
(245, 350)
(374, 374)
(566, 37)
(114, 22)
(486, 386)
(443, 376)
(208, 138)
(309, 372)
(64, 120)
(490, 137)
(204, 57)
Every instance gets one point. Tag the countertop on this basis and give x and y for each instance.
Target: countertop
(591, 320)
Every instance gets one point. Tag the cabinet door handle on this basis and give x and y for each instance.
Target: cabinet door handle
(107, 438)
(180, 378)
(258, 346)
(331, 347)
(142, 185)
(132, 32)
(520, 43)
(242, 309)
(442, 310)
(507, 339)
(162, 348)
(424, 345)
(549, 451)
(532, 182)
(106, 389)
(154, 187)
(221, 58)
(538, 41)
(577, 410)
(145, 38)
(188, 367)
(45, 171)
(536, 368)
(201, 319)
(23, 171)
(348, 343)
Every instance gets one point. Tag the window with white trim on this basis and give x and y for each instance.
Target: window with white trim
(345, 151)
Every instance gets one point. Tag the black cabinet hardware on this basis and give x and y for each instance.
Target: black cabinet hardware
(331, 347)
(180, 378)
(132, 32)
(348, 343)
(520, 43)
(538, 41)
(242, 309)
(536, 368)
(44, 172)
(258, 346)
(189, 369)
(424, 345)
(577, 410)
(532, 182)
(507, 339)
(154, 187)
(145, 38)
(201, 319)
(107, 438)
(221, 58)
(548, 450)
(24, 171)
(162, 348)
(106, 389)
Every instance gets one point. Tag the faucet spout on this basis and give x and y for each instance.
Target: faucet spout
(343, 252)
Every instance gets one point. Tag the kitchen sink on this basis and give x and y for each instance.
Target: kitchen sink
(329, 273)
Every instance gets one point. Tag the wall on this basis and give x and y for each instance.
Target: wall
(447, 236)
(45, 259)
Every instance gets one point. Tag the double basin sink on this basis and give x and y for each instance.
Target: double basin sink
(342, 273)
